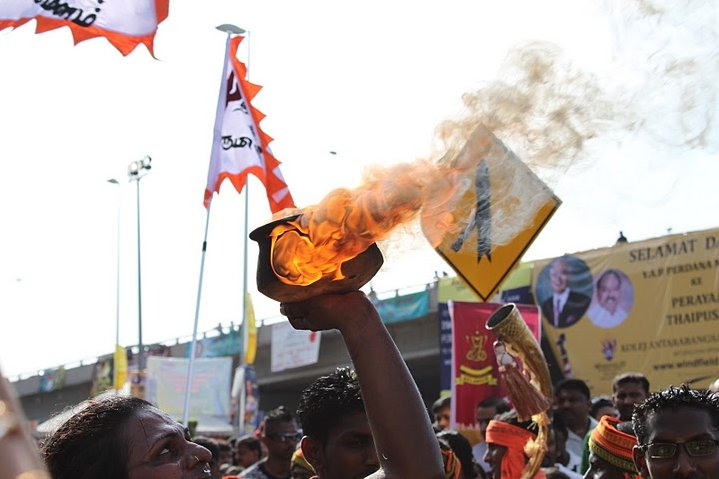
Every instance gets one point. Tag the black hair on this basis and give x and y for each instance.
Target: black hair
(327, 400)
(573, 384)
(441, 403)
(277, 415)
(674, 398)
(462, 450)
(497, 402)
(634, 378)
(598, 403)
(251, 442)
(609, 272)
(510, 417)
(93, 443)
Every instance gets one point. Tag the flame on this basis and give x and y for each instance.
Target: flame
(342, 226)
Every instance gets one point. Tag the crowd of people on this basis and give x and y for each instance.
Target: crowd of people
(370, 421)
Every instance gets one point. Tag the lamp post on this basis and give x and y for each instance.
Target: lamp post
(117, 267)
(135, 172)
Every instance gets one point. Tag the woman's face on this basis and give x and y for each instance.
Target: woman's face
(160, 448)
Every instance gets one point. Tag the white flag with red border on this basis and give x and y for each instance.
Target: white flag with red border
(239, 146)
(124, 23)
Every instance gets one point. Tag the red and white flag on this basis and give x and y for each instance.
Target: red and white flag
(239, 145)
(125, 23)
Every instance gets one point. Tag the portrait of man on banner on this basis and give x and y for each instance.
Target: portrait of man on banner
(613, 299)
(564, 291)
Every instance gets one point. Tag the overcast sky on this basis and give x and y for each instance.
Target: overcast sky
(368, 80)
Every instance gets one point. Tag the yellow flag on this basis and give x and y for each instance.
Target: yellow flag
(120, 369)
(251, 330)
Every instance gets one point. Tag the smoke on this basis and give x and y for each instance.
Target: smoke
(554, 116)
(661, 85)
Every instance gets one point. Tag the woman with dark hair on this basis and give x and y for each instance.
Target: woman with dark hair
(121, 437)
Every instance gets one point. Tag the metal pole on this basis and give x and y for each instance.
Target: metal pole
(190, 367)
(117, 278)
(245, 331)
(141, 357)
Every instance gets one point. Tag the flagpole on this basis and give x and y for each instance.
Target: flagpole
(193, 344)
(245, 330)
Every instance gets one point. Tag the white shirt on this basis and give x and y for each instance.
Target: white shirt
(575, 444)
(605, 319)
(478, 451)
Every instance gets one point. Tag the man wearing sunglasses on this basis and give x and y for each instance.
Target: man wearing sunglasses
(280, 436)
(678, 434)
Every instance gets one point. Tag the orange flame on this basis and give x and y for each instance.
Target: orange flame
(342, 226)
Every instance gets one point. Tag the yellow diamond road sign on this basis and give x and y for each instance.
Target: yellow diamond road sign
(500, 213)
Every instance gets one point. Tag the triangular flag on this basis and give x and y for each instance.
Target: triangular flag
(124, 24)
(239, 146)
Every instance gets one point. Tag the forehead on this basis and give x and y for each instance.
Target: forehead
(281, 426)
(677, 425)
(354, 423)
(628, 387)
(148, 425)
(572, 394)
(609, 281)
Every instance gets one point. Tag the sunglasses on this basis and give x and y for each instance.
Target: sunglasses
(667, 450)
(285, 437)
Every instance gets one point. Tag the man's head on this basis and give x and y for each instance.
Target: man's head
(488, 408)
(678, 431)
(280, 434)
(506, 441)
(248, 450)
(462, 450)
(558, 275)
(441, 412)
(338, 441)
(608, 290)
(629, 389)
(573, 401)
(610, 450)
(603, 406)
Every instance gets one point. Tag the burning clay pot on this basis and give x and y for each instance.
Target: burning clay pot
(357, 271)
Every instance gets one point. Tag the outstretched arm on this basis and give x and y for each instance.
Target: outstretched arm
(18, 454)
(405, 442)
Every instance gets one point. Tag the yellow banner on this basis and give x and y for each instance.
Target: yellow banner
(650, 306)
(120, 367)
(251, 326)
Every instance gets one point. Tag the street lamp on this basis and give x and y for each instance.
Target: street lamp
(136, 171)
(117, 267)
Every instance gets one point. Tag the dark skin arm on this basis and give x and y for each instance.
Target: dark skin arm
(17, 451)
(404, 439)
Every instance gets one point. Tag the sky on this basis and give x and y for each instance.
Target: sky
(347, 85)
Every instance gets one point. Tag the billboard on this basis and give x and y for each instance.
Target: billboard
(649, 306)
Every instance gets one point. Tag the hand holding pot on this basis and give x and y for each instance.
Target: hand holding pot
(347, 312)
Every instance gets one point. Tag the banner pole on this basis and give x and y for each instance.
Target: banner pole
(245, 330)
(193, 345)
